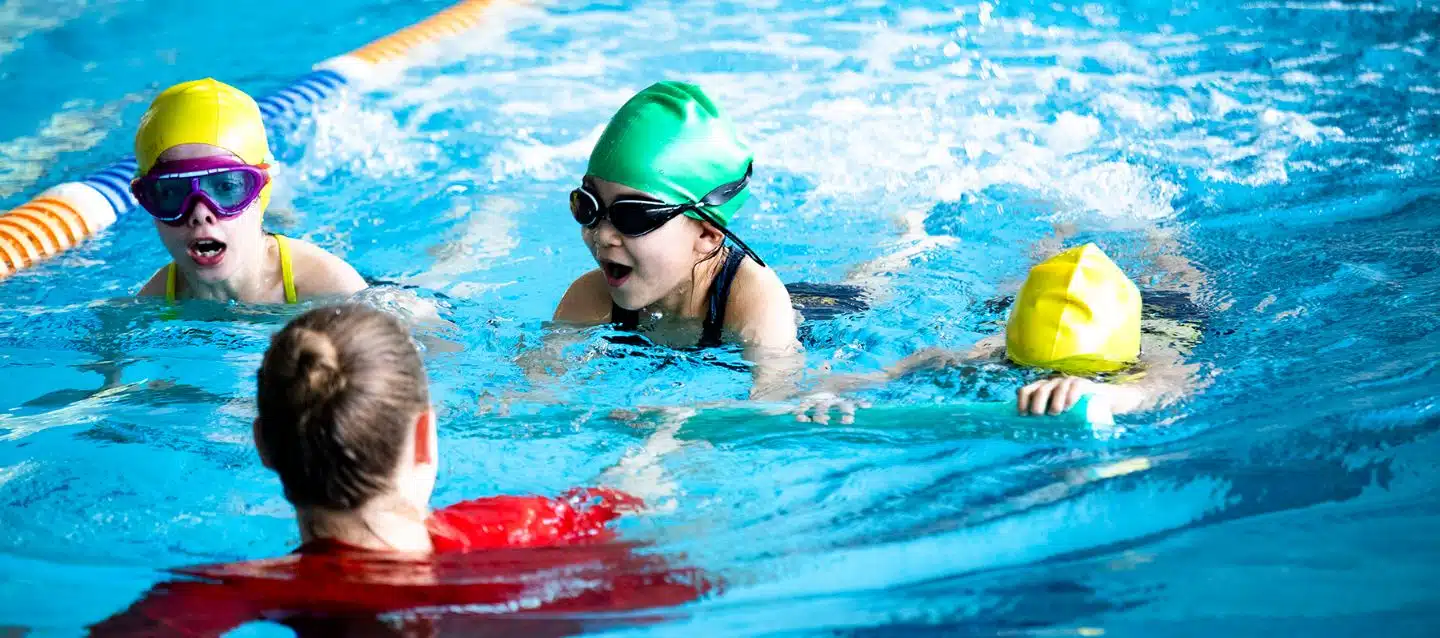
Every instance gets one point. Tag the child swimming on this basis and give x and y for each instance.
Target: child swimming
(1077, 315)
(663, 184)
(204, 176)
(345, 421)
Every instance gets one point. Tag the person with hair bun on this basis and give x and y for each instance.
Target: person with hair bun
(345, 421)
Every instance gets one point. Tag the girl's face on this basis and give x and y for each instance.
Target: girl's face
(205, 245)
(642, 270)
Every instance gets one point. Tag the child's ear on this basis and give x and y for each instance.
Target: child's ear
(426, 445)
(710, 238)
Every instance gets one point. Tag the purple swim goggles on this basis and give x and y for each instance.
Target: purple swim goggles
(170, 189)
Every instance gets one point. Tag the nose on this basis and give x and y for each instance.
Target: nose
(604, 233)
(200, 214)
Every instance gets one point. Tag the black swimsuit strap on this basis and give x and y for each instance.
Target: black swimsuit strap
(714, 326)
(624, 319)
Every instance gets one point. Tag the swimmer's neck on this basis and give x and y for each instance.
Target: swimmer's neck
(254, 281)
(691, 299)
(383, 524)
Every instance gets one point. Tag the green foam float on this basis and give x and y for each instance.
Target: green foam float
(972, 419)
(1088, 418)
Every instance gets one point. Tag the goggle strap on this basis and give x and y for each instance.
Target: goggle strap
(726, 192)
(731, 236)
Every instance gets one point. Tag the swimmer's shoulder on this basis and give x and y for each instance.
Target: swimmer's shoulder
(155, 287)
(587, 301)
(318, 273)
(759, 308)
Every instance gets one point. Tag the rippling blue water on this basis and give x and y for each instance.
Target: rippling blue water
(1280, 154)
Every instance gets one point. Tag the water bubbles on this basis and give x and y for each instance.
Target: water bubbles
(1300, 78)
(1070, 133)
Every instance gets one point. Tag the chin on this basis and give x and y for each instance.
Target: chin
(215, 275)
(224, 272)
(629, 300)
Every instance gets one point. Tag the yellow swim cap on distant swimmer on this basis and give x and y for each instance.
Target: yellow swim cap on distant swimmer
(203, 112)
(1077, 313)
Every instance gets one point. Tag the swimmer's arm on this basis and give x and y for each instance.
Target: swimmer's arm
(761, 314)
(321, 274)
(777, 372)
(1168, 255)
(641, 471)
(823, 398)
(1163, 383)
(548, 361)
(1128, 398)
(928, 359)
(1167, 380)
(587, 301)
(1060, 393)
(107, 346)
(155, 287)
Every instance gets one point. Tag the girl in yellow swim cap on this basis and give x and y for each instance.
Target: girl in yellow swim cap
(204, 176)
(1079, 316)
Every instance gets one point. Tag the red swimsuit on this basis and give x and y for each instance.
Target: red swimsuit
(542, 554)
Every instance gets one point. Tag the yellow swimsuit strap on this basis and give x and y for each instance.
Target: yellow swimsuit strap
(287, 274)
(170, 283)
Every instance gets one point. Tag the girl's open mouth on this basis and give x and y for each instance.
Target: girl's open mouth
(615, 274)
(207, 252)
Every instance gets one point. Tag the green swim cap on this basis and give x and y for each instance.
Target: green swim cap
(672, 142)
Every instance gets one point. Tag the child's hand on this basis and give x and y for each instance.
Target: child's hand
(816, 408)
(1054, 395)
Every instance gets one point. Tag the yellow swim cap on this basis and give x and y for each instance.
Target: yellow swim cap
(1077, 313)
(203, 112)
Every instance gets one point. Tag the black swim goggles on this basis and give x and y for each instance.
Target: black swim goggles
(637, 217)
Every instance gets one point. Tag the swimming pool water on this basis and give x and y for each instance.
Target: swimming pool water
(1279, 154)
